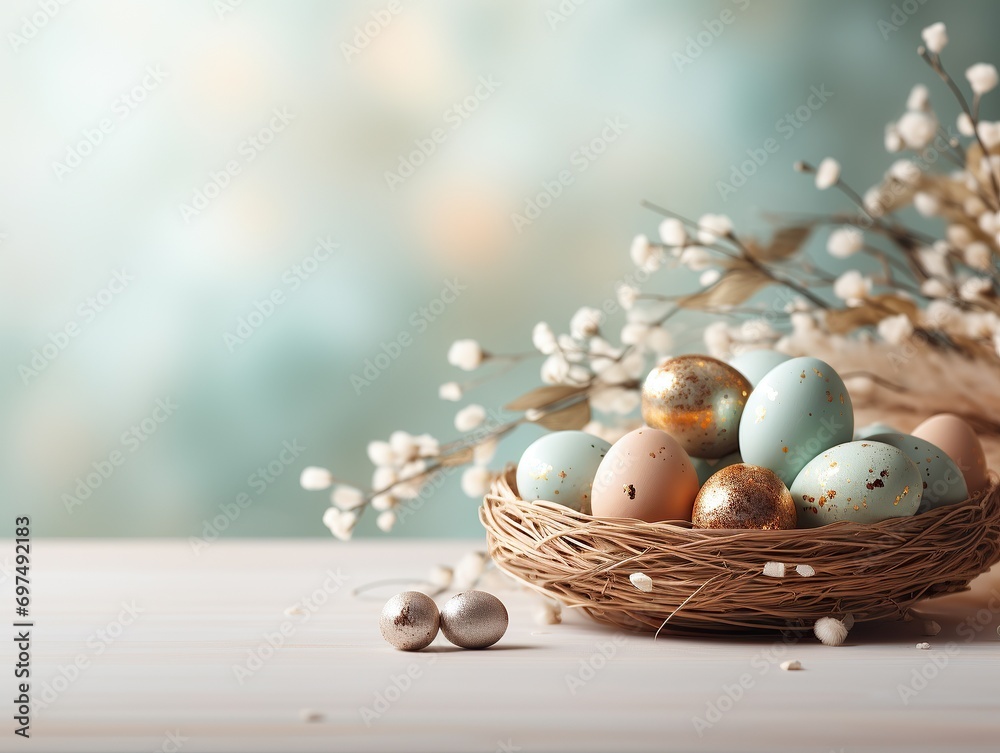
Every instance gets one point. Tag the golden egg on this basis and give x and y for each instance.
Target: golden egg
(698, 401)
(744, 496)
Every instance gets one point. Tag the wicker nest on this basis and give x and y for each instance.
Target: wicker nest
(713, 581)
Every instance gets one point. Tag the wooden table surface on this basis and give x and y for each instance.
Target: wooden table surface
(144, 645)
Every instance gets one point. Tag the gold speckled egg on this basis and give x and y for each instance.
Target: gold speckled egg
(698, 401)
(744, 496)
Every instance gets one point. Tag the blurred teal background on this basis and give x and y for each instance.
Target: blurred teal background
(222, 69)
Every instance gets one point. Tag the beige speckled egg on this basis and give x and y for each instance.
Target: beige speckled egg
(645, 475)
(959, 441)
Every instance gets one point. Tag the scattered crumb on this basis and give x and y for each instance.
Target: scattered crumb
(931, 627)
(310, 715)
(290, 611)
(641, 581)
(791, 666)
(923, 646)
(806, 571)
(774, 569)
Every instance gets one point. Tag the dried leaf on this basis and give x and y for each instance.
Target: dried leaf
(575, 416)
(735, 287)
(543, 396)
(785, 242)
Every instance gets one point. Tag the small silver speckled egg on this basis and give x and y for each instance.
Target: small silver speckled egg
(410, 621)
(474, 619)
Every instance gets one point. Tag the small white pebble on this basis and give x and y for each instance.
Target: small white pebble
(774, 569)
(806, 571)
(830, 631)
(790, 666)
(294, 610)
(923, 646)
(931, 627)
(311, 715)
(641, 581)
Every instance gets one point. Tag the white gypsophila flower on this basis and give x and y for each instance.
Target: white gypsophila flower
(845, 241)
(906, 171)
(859, 387)
(711, 227)
(315, 479)
(586, 322)
(973, 205)
(484, 452)
(612, 400)
(978, 256)
(383, 502)
(874, 201)
(959, 236)
(476, 481)
(965, 125)
(554, 369)
(696, 258)
(927, 204)
(756, 330)
(347, 497)
(852, 286)
(427, 445)
(544, 339)
(892, 140)
(934, 288)
(919, 98)
(827, 174)
(386, 520)
(934, 262)
(802, 323)
(571, 348)
(979, 325)
(465, 354)
(468, 570)
(895, 329)
(627, 296)
(470, 417)
(451, 391)
(917, 129)
(975, 288)
(383, 477)
(717, 339)
(578, 375)
(989, 132)
(643, 254)
(440, 576)
(709, 277)
(381, 453)
(941, 315)
(989, 222)
(982, 77)
(340, 522)
(935, 37)
(672, 232)
(403, 445)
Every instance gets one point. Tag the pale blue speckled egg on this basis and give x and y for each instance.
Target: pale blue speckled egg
(943, 482)
(800, 408)
(560, 467)
(867, 432)
(861, 482)
(705, 467)
(754, 364)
